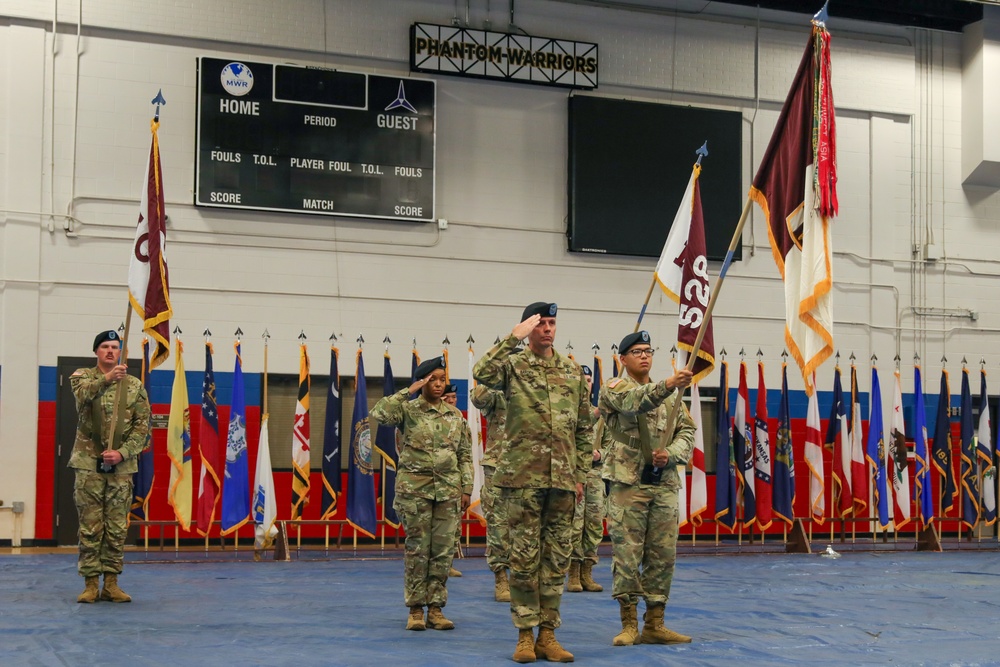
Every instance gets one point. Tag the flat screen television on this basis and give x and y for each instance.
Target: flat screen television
(629, 163)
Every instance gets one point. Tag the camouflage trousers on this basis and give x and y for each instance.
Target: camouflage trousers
(540, 522)
(429, 547)
(102, 504)
(642, 521)
(588, 519)
(495, 511)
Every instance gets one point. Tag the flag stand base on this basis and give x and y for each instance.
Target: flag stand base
(797, 542)
(927, 540)
(281, 543)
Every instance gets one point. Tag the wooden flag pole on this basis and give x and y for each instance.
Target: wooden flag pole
(121, 397)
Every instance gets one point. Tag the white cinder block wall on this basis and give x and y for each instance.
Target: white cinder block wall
(74, 134)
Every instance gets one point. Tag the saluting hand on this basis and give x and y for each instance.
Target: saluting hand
(418, 384)
(116, 373)
(522, 330)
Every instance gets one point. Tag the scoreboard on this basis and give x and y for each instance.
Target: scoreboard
(298, 139)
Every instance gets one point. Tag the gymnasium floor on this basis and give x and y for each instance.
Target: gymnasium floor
(863, 608)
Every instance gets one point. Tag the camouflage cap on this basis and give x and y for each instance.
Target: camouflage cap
(110, 334)
(633, 339)
(428, 367)
(539, 308)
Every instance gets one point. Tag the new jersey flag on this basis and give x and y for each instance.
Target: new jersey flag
(899, 467)
(300, 439)
(148, 279)
(179, 444)
(209, 484)
(682, 273)
(796, 186)
(236, 482)
(762, 454)
(385, 445)
(331, 441)
(784, 462)
(360, 474)
(875, 452)
(265, 506)
(814, 460)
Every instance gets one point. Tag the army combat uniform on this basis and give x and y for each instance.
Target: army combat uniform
(434, 471)
(643, 518)
(493, 406)
(588, 525)
(547, 454)
(103, 498)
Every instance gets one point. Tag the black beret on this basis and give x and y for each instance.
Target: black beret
(428, 367)
(587, 371)
(539, 308)
(450, 389)
(110, 334)
(633, 339)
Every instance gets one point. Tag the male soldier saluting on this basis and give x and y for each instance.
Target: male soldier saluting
(546, 459)
(643, 467)
(103, 486)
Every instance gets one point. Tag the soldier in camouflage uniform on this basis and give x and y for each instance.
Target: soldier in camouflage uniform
(643, 464)
(546, 459)
(588, 521)
(433, 488)
(103, 486)
(493, 406)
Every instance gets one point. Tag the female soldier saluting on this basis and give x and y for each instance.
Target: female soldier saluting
(433, 488)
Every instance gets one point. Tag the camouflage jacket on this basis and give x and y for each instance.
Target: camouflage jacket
(623, 402)
(435, 456)
(549, 438)
(493, 406)
(92, 392)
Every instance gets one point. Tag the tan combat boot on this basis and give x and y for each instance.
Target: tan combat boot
(437, 621)
(573, 583)
(90, 592)
(501, 587)
(548, 647)
(587, 578)
(111, 592)
(653, 630)
(525, 651)
(415, 621)
(452, 573)
(630, 625)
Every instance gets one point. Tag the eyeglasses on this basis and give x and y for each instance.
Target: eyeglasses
(645, 352)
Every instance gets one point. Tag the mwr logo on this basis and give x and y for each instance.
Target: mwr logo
(237, 79)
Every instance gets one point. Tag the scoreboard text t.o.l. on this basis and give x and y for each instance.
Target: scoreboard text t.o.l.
(307, 140)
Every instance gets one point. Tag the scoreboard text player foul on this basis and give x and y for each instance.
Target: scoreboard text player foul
(307, 140)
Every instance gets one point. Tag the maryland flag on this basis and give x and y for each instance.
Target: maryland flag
(922, 476)
(148, 281)
(209, 485)
(142, 480)
(796, 186)
(682, 273)
(179, 444)
(331, 440)
(300, 439)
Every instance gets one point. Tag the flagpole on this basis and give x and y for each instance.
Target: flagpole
(120, 396)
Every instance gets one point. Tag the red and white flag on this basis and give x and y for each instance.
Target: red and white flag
(814, 460)
(796, 187)
(699, 483)
(762, 454)
(148, 281)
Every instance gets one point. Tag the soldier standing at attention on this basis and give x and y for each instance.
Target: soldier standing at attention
(103, 486)
(433, 488)
(546, 459)
(643, 467)
(493, 406)
(588, 519)
(450, 396)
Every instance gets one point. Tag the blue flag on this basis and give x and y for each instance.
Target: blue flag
(331, 442)
(875, 451)
(725, 473)
(838, 442)
(970, 471)
(595, 390)
(922, 478)
(942, 445)
(142, 480)
(385, 444)
(236, 482)
(784, 468)
(360, 477)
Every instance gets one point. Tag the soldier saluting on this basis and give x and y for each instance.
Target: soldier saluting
(103, 486)
(643, 463)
